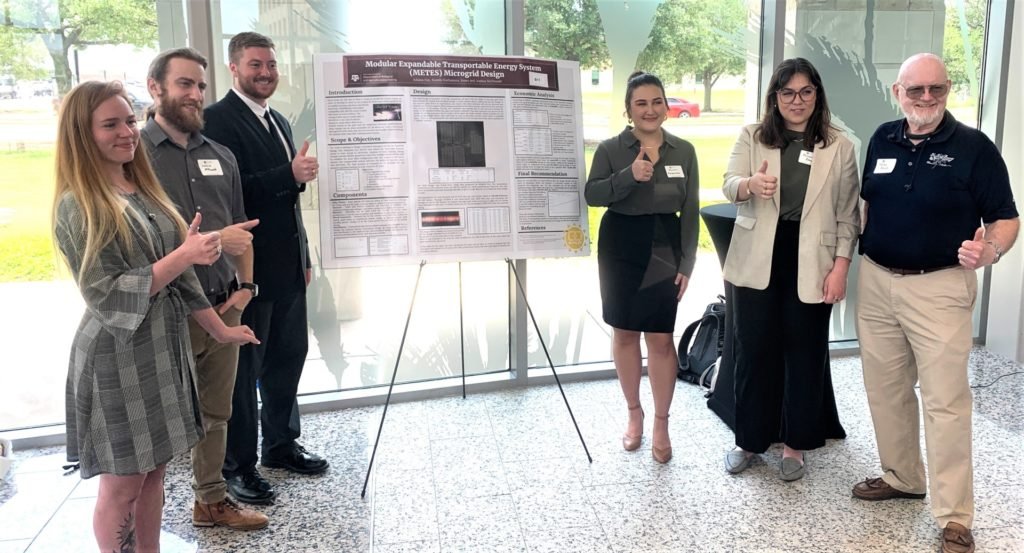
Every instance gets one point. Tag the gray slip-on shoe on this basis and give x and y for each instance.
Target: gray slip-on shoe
(737, 461)
(791, 469)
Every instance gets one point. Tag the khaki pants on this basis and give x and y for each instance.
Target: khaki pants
(918, 328)
(216, 365)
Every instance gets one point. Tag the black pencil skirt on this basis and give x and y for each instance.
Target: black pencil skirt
(637, 259)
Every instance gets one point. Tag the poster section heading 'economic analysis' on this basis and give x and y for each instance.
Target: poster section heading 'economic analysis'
(448, 158)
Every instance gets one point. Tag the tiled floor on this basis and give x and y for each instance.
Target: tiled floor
(505, 472)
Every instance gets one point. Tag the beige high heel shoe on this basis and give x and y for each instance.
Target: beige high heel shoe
(661, 455)
(632, 443)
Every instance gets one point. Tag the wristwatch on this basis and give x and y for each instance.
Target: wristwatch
(250, 286)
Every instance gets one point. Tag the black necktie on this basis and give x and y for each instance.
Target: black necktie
(275, 134)
(270, 124)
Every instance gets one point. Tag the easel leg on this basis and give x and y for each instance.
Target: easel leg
(540, 338)
(394, 373)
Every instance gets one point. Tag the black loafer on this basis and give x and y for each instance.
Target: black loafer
(250, 487)
(297, 460)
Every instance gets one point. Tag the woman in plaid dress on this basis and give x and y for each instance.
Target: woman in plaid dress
(131, 399)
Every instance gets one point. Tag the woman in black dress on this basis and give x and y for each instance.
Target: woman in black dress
(646, 249)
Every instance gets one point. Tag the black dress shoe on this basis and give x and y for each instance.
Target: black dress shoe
(250, 487)
(297, 460)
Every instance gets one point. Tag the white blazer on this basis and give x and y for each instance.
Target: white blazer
(829, 224)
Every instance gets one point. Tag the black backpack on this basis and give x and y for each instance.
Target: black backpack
(697, 360)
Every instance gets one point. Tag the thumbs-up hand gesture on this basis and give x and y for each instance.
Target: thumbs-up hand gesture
(304, 167)
(977, 253)
(236, 238)
(762, 184)
(201, 249)
(643, 169)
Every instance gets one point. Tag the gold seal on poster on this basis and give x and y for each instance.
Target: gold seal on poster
(574, 238)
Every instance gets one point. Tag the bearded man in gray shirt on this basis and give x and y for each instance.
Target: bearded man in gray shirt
(202, 176)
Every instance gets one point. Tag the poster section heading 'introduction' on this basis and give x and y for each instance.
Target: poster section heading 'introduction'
(448, 158)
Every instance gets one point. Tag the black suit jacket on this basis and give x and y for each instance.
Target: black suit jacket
(280, 247)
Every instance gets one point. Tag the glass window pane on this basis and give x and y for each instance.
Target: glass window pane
(858, 51)
(700, 49)
(41, 305)
(357, 315)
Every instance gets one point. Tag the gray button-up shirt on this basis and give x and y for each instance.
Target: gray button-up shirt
(202, 177)
(673, 189)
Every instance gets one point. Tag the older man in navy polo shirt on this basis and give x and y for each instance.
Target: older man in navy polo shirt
(938, 205)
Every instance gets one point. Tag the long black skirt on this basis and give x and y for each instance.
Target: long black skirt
(637, 259)
(783, 376)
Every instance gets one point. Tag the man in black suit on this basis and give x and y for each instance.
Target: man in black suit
(273, 175)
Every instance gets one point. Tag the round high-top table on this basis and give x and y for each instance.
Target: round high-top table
(719, 218)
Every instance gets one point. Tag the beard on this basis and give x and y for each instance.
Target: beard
(924, 117)
(174, 111)
(248, 87)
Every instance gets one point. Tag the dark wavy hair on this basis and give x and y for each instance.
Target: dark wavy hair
(819, 126)
(640, 78)
(158, 67)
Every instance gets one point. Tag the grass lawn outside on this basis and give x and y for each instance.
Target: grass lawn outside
(26, 196)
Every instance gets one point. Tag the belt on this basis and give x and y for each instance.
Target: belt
(905, 272)
(217, 299)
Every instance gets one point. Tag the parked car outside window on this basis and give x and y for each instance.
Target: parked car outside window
(8, 87)
(677, 107)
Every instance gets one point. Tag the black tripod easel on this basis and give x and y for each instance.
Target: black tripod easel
(401, 346)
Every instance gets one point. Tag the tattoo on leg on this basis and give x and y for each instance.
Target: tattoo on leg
(126, 535)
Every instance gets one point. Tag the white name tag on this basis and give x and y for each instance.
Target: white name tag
(209, 167)
(674, 171)
(806, 157)
(885, 165)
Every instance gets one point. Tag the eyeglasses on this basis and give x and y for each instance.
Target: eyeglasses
(937, 91)
(788, 95)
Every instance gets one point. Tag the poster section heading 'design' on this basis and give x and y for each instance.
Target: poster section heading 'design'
(448, 158)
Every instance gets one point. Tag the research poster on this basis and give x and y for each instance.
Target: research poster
(448, 158)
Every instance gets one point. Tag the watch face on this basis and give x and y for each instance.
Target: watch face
(252, 287)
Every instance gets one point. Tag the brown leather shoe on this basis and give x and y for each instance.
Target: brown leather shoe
(229, 514)
(957, 539)
(876, 489)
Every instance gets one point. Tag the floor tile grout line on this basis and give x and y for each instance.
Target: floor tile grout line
(593, 511)
(372, 505)
(508, 485)
(54, 513)
(433, 485)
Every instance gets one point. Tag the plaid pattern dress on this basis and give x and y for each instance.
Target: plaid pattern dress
(131, 400)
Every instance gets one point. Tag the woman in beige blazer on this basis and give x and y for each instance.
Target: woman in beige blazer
(793, 178)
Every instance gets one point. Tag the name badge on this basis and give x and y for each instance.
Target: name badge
(884, 166)
(674, 171)
(209, 167)
(806, 157)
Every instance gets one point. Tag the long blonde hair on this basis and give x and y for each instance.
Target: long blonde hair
(79, 173)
